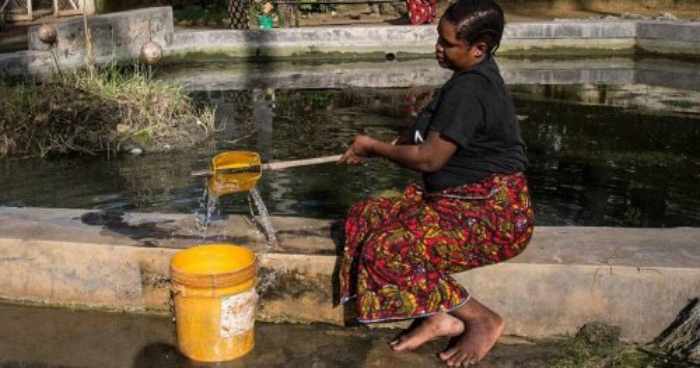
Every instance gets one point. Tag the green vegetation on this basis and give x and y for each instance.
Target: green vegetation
(598, 345)
(216, 14)
(313, 6)
(213, 13)
(98, 112)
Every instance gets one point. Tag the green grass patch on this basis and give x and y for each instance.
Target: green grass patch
(98, 112)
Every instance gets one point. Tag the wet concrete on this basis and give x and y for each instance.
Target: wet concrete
(64, 257)
(43, 337)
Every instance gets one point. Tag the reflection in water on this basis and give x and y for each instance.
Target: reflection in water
(597, 156)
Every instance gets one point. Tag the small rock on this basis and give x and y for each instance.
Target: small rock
(667, 16)
(151, 53)
(47, 33)
(131, 147)
(599, 334)
(122, 128)
(632, 16)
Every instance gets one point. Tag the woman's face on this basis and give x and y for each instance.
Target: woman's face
(453, 53)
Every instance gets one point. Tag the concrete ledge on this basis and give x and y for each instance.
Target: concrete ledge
(222, 76)
(26, 63)
(85, 275)
(119, 36)
(539, 300)
(423, 72)
(570, 30)
(343, 41)
(669, 31)
(669, 38)
(635, 278)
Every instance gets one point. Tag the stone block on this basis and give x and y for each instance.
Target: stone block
(26, 63)
(117, 35)
(570, 30)
(677, 32)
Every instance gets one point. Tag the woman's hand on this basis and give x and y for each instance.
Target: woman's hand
(358, 151)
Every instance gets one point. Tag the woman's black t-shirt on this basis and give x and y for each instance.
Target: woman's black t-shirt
(473, 110)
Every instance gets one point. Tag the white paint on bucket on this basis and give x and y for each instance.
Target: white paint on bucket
(238, 313)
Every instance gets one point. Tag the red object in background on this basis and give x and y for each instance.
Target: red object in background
(421, 11)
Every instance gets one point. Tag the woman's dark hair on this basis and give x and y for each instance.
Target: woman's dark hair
(477, 20)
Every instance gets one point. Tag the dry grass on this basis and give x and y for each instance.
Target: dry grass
(90, 114)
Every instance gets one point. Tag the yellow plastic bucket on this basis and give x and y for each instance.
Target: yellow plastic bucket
(214, 291)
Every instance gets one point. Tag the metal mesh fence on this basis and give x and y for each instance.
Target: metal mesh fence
(238, 12)
(43, 4)
(15, 7)
(19, 7)
(68, 4)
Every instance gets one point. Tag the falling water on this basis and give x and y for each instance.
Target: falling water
(208, 205)
(265, 221)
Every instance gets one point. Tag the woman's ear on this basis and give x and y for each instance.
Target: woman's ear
(479, 49)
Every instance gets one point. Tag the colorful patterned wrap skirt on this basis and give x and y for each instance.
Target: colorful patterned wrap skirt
(400, 252)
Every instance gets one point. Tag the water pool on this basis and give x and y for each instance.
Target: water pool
(622, 154)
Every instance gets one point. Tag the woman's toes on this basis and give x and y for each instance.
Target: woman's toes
(447, 354)
(469, 360)
(456, 359)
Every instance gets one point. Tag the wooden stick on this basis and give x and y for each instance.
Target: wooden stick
(281, 165)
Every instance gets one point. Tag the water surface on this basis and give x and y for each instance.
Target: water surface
(603, 155)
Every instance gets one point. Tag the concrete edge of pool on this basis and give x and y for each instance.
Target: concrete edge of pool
(638, 279)
(120, 36)
(221, 77)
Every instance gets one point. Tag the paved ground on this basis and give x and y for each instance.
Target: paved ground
(41, 337)
(51, 338)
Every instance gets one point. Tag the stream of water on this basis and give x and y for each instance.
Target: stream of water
(264, 217)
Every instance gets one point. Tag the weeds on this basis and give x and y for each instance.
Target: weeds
(80, 112)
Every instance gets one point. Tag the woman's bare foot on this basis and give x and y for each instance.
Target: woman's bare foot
(483, 328)
(437, 325)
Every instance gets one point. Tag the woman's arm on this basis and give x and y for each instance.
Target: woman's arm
(429, 156)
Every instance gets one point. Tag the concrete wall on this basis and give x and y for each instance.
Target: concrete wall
(114, 36)
(638, 279)
(669, 38)
(425, 72)
(559, 37)
(119, 36)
